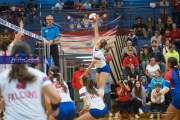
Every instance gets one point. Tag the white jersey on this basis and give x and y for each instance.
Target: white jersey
(23, 101)
(98, 55)
(95, 101)
(65, 97)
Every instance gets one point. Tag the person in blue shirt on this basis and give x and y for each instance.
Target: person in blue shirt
(51, 34)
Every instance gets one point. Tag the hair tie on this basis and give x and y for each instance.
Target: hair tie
(21, 54)
(176, 66)
(51, 72)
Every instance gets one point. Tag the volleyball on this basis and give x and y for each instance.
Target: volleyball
(92, 17)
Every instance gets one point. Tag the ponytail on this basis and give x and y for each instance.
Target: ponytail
(107, 48)
(61, 82)
(19, 72)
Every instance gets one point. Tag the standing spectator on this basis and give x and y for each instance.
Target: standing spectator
(103, 4)
(158, 38)
(123, 99)
(176, 34)
(77, 6)
(95, 4)
(68, 4)
(32, 16)
(76, 85)
(125, 49)
(6, 35)
(144, 58)
(140, 28)
(87, 5)
(130, 62)
(169, 23)
(22, 15)
(4, 7)
(172, 53)
(59, 5)
(150, 27)
(138, 98)
(166, 48)
(51, 34)
(167, 36)
(158, 101)
(107, 96)
(164, 10)
(133, 38)
(32, 4)
(160, 26)
(175, 10)
(151, 69)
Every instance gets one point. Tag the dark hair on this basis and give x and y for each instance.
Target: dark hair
(89, 84)
(19, 71)
(158, 71)
(105, 46)
(137, 91)
(4, 44)
(143, 54)
(174, 64)
(157, 85)
(158, 19)
(55, 73)
(4, 32)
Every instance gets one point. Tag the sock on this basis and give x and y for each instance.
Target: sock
(101, 91)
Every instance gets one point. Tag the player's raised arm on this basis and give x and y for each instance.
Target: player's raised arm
(96, 30)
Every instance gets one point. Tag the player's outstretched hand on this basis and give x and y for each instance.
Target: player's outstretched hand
(21, 24)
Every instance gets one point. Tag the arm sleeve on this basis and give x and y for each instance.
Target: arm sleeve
(82, 93)
(57, 32)
(168, 78)
(43, 33)
(74, 81)
(134, 50)
(143, 95)
(136, 62)
(46, 81)
(152, 98)
(98, 56)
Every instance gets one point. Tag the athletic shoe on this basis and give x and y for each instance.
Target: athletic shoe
(140, 111)
(152, 116)
(110, 114)
(130, 116)
(120, 117)
(136, 116)
(116, 115)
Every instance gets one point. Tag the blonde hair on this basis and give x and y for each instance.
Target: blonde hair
(105, 46)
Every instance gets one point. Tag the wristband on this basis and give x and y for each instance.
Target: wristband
(55, 106)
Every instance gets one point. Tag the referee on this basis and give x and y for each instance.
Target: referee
(51, 34)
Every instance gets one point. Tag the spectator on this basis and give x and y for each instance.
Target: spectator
(145, 84)
(153, 43)
(22, 4)
(6, 35)
(138, 98)
(32, 16)
(144, 58)
(125, 49)
(166, 48)
(69, 4)
(107, 96)
(151, 69)
(6, 15)
(85, 21)
(87, 5)
(118, 4)
(169, 23)
(95, 4)
(13, 9)
(176, 34)
(164, 10)
(172, 53)
(123, 99)
(22, 15)
(167, 36)
(157, 101)
(76, 85)
(77, 6)
(119, 12)
(175, 10)
(132, 75)
(4, 7)
(150, 27)
(133, 38)
(130, 62)
(157, 80)
(79, 24)
(32, 4)
(59, 5)
(130, 48)
(160, 26)
(158, 38)
(159, 57)
(103, 4)
(140, 28)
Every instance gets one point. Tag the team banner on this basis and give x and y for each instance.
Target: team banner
(80, 20)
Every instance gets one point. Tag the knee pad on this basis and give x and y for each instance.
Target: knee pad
(101, 91)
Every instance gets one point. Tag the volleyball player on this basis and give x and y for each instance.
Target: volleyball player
(172, 83)
(66, 109)
(94, 107)
(21, 88)
(102, 69)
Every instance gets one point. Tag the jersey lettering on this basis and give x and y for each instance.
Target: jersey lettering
(93, 96)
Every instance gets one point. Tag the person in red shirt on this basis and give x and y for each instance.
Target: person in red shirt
(123, 98)
(175, 9)
(130, 62)
(76, 85)
(77, 6)
(176, 34)
(167, 36)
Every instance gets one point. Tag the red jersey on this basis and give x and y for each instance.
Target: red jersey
(124, 96)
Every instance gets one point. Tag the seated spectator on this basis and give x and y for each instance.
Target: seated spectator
(125, 49)
(87, 5)
(132, 75)
(144, 58)
(140, 28)
(160, 26)
(59, 5)
(169, 23)
(123, 99)
(176, 34)
(130, 48)
(157, 37)
(118, 4)
(164, 10)
(130, 62)
(145, 84)
(77, 6)
(32, 16)
(150, 27)
(22, 4)
(68, 4)
(133, 38)
(157, 101)
(159, 57)
(32, 4)
(166, 48)
(95, 4)
(151, 69)
(119, 12)
(4, 7)
(172, 53)
(167, 36)
(103, 4)
(13, 9)
(22, 15)
(175, 10)
(153, 43)
(6, 35)
(138, 98)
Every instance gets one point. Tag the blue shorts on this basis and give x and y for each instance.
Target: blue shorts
(106, 69)
(95, 113)
(175, 101)
(66, 111)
